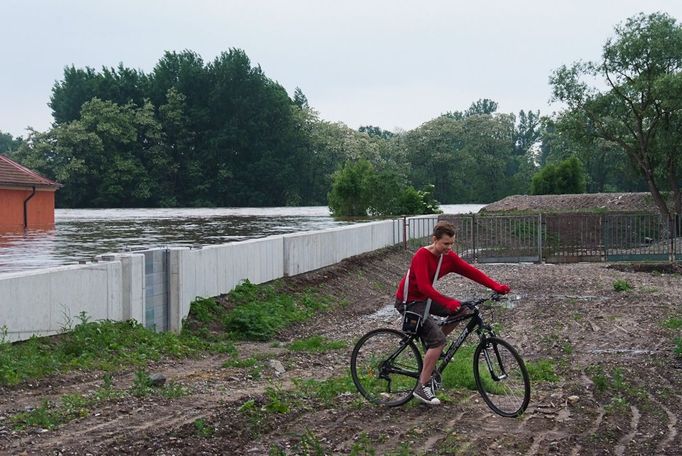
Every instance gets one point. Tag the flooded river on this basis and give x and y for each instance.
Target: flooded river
(80, 234)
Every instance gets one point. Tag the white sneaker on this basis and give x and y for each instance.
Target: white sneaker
(424, 394)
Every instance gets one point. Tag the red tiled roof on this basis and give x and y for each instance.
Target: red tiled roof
(12, 174)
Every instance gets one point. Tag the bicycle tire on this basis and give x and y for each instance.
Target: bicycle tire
(382, 373)
(508, 395)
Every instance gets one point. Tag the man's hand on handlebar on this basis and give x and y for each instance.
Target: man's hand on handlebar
(502, 289)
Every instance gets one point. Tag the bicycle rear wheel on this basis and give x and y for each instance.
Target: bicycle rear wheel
(385, 367)
(501, 377)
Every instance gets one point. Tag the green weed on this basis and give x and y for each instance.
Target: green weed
(621, 285)
(363, 446)
(202, 429)
(310, 445)
(45, 416)
(567, 347)
(599, 378)
(142, 384)
(205, 309)
(278, 400)
(618, 405)
(317, 344)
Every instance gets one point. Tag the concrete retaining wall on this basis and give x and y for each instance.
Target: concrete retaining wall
(46, 301)
(49, 301)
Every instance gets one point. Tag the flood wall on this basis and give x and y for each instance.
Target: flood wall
(122, 286)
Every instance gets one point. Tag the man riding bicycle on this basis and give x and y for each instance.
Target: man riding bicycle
(420, 279)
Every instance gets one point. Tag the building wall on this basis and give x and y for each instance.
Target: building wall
(40, 208)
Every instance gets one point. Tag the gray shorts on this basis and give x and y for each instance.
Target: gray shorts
(430, 333)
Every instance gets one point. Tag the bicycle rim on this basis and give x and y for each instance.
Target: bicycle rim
(385, 367)
(501, 377)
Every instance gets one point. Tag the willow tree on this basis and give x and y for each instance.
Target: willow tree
(630, 98)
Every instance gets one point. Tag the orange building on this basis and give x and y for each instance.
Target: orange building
(26, 197)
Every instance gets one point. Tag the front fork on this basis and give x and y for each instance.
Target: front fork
(492, 356)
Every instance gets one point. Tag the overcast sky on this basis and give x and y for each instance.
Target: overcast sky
(389, 63)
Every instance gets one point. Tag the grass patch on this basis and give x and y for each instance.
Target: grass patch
(325, 390)
(317, 344)
(542, 370)
(613, 382)
(50, 414)
(104, 345)
(673, 323)
(254, 366)
(678, 346)
(261, 311)
(459, 373)
(621, 285)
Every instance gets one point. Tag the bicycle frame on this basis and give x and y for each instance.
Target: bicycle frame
(475, 324)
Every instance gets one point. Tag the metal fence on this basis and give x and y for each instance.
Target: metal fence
(557, 238)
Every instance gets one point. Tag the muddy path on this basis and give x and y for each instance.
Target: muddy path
(610, 384)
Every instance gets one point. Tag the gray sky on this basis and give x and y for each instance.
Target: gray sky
(389, 63)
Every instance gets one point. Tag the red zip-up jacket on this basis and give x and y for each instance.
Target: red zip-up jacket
(423, 268)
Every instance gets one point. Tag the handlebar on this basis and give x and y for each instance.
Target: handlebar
(474, 303)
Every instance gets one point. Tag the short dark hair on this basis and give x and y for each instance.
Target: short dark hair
(442, 228)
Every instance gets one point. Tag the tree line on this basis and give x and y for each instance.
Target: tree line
(221, 133)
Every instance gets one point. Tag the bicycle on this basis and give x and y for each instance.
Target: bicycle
(385, 365)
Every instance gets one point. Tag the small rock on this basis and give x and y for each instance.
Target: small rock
(157, 380)
(277, 366)
(573, 399)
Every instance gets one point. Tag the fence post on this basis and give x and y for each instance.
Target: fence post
(539, 238)
(673, 232)
(405, 232)
(674, 243)
(474, 236)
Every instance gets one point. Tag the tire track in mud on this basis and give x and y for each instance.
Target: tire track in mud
(627, 438)
(672, 426)
(596, 422)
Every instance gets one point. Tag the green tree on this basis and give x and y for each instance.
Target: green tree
(481, 107)
(350, 192)
(8, 144)
(358, 190)
(120, 85)
(567, 176)
(641, 67)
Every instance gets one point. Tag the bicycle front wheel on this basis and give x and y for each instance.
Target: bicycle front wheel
(501, 377)
(385, 367)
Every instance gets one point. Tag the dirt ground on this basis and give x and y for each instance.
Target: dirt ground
(613, 355)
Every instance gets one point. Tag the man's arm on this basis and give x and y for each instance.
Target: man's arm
(470, 272)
